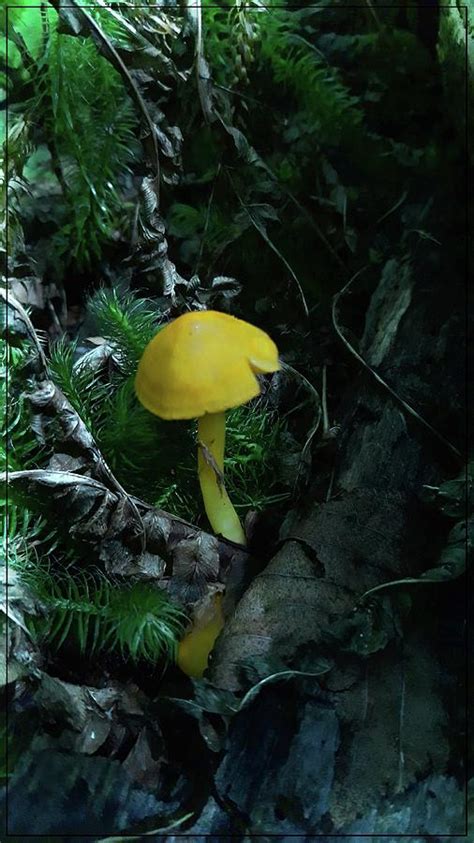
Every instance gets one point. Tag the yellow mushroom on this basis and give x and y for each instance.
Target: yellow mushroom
(194, 649)
(199, 366)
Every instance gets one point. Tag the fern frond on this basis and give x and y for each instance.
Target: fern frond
(144, 623)
(139, 620)
(127, 321)
(81, 384)
(327, 108)
(20, 529)
(128, 434)
(18, 448)
(253, 440)
(91, 126)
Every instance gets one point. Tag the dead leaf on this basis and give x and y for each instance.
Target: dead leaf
(141, 763)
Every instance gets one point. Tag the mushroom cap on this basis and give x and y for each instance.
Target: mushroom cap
(203, 362)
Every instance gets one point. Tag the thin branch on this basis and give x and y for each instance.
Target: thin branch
(325, 405)
(261, 230)
(394, 208)
(315, 396)
(401, 724)
(374, 15)
(206, 223)
(309, 219)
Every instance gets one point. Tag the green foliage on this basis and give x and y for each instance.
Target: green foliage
(254, 441)
(321, 108)
(21, 41)
(230, 33)
(210, 227)
(80, 383)
(127, 321)
(12, 186)
(145, 623)
(457, 64)
(92, 125)
(137, 620)
(156, 459)
(17, 445)
(128, 433)
(326, 108)
(123, 429)
(81, 111)
(20, 528)
(310, 89)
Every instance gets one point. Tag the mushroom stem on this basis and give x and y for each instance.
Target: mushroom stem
(219, 510)
(195, 647)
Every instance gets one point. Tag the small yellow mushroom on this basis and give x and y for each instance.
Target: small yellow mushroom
(199, 366)
(194, 649)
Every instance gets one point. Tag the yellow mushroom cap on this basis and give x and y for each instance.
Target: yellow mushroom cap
(203, 362)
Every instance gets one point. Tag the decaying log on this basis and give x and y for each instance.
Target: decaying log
(391, 725)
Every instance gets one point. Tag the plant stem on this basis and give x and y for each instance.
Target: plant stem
(219, 510)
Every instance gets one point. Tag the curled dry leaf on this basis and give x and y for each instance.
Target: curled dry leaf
(89, 509)
(10, 669)
(98, 359)
(120, 561)
(91, 715)
(18, 654)
(184, 558)
(141, 763)
(196, 558)
(48, 402)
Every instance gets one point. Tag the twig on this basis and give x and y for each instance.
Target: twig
(324, 405)
(244, 96)
(315, 395)
(395, 207)
(408, 409)
(309, 219)
(156, 831)
(401, 723)
(331, 484)
(374, 14)
(206, 222)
